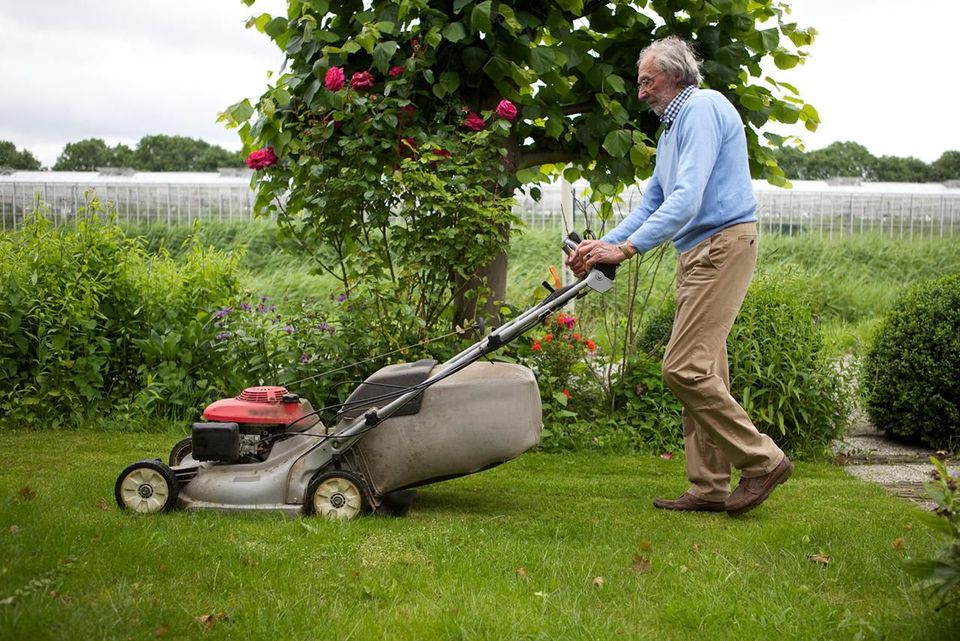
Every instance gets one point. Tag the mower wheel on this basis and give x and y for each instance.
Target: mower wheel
(182, 449)
(147, 487)
(337, 495)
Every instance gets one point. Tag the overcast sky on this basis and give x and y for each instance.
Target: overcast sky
(882, 72)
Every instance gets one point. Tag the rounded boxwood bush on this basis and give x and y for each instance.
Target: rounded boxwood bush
(911, 374)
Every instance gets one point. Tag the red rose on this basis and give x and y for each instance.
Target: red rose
(590, 345)
(362, 80)
(536, 346)
(395, 72)
(506, 109)
(474, 122)
(261, 158)
(334, 79)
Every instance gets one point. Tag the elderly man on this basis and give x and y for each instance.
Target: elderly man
(700, 196)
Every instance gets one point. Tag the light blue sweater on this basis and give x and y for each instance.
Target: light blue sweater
(701, 182)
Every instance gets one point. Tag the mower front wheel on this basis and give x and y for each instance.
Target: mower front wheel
(147, 487)
(337, 495)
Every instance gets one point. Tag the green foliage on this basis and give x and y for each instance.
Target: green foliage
(788, 385)
(853, 159)
(403, 213)
(152, 153)
(13, 158)
(91, 154)
(180, 153)
(947, 166)
(569, 67)
(940, 575)
(910, 374)
(88, 317)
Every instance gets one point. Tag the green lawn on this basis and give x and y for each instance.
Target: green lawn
(546, 547)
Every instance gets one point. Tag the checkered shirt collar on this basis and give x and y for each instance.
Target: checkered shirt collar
(670, 113)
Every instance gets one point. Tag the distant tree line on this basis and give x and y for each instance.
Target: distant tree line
(152, 153)
(853, 159)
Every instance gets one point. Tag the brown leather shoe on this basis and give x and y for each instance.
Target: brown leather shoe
(690, 503)
(753, 491)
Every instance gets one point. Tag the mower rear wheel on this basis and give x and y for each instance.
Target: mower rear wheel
(180, 450)
(336, 495)
(147, 487)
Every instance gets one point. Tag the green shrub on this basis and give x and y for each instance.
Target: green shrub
(911, 374)
(779, 370)
(940, 576)
(89, 317)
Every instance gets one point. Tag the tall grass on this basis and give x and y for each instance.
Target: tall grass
(852, 280)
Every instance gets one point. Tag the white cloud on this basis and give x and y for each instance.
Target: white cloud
(879, 74)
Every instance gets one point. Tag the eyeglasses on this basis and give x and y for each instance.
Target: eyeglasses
(646, 81)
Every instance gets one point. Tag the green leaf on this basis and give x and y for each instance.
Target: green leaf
(383, 53)
(618, 142)
(454, 32)
(458, 5)
(785, 60)
(541, 59)
(276, 27)
(450, 80)
(613, 84)
(480, 17)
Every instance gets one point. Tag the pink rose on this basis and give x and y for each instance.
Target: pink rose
(334, 79)
(506, 109)
(395, 72)
(474, 122)
(362, 80)
(261, 158)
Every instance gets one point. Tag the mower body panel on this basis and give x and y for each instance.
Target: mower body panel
(484, 415)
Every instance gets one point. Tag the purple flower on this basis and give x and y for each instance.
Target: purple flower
(245, 307)
(305, 358)
(265, 309)
(222, 336)
(222, 313)
(341, 298)
(326, 327)
(289, 329)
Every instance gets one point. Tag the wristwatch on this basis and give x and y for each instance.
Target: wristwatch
(628, 250)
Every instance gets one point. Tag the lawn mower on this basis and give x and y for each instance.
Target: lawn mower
(406, 425)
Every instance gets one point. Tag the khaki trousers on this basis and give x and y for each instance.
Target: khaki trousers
(712, 280)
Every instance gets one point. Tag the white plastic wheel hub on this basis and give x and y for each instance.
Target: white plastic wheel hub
(337, 498)
(144, 490)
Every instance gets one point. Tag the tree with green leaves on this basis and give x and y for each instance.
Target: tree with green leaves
(14, 158)
(412, 77)
(947, 166)
(91, 154)
(180, 153)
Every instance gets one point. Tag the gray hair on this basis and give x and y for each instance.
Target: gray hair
(676, 57)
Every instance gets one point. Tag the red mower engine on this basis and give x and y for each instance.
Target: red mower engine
(244, 428)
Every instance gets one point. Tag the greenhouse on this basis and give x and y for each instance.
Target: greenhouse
(825, 208)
